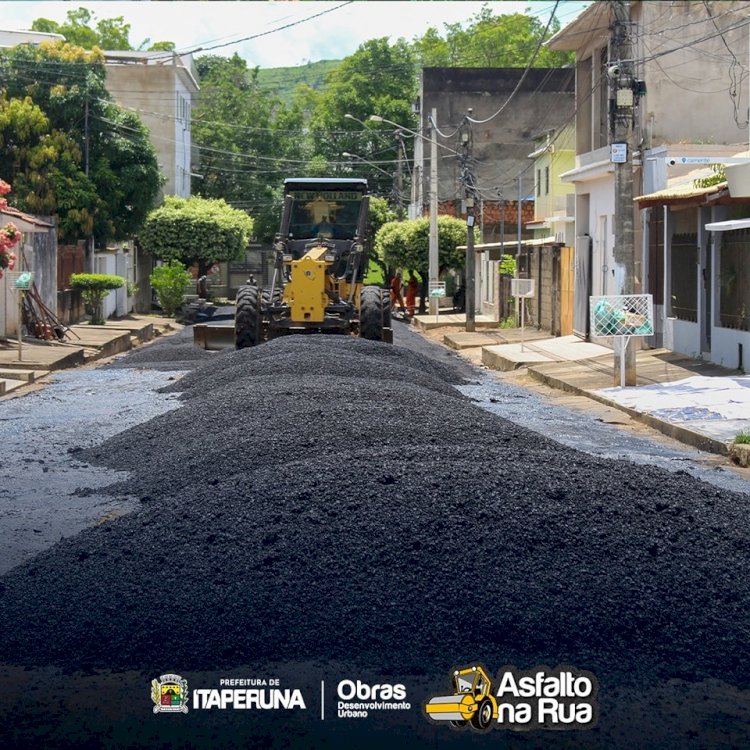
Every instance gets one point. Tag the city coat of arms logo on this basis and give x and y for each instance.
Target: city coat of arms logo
(169, 694)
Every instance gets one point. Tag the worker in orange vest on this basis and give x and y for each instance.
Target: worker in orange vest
(411, 295)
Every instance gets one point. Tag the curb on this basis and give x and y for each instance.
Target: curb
(683, 434)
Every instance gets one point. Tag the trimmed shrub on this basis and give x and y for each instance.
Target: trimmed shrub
(93, 288)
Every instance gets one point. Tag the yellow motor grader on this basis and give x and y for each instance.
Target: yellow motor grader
(320, 260)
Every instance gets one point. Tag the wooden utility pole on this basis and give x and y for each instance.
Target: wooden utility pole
(622, 80)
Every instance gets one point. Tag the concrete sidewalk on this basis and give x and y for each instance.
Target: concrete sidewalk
(695, 402)
(83, 343)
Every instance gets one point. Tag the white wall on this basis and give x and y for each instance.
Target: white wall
(601, 229)
(107, 263)
(725, 349)
(682, 336)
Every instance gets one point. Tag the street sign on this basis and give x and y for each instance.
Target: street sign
(618, 153)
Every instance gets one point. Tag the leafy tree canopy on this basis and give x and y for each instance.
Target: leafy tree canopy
(48, 91)
(380, 214)
(405, 244)
(196, 230)
(242, 131)
(490, 41)
(377, 79)
(83, 29)
(46, 169)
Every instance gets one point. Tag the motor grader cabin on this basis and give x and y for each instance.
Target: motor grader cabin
(321, 254)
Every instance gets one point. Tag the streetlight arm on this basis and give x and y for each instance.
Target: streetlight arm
(378, 118)
(347, 155)
(356, 119)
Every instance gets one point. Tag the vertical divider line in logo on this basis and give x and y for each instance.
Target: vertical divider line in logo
(322, 700)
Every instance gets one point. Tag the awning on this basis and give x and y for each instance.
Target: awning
(678, 194)
(728, 226)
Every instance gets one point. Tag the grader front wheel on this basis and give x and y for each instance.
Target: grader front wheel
(371, 313)
(247, 318)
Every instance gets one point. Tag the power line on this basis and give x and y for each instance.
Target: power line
(525, 72)
(265, 33)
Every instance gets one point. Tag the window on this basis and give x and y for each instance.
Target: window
(538, 182)
(546, 180)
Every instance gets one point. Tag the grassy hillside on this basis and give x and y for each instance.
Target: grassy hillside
(283, 81)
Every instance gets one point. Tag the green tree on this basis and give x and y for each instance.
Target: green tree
(83, 29)
(490, 41)
(239, 127)
(46, 165)
(196, 230)
(60, 83)
(405, 245)
(379, 78)
(380, 214)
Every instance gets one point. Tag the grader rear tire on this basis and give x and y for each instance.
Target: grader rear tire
(247, 323)
(371, 313)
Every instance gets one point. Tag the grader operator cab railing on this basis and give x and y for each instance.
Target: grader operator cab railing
(320, 260)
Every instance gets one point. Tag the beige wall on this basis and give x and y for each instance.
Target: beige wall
(161, 98)
(688, 81)
(688, 95)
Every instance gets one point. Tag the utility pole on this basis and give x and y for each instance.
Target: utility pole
(519, 228)
(433, 255)
(470, 266)
(621, 74)
(399, 177)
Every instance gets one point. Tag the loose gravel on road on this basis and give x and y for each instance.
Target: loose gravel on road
(322, 497)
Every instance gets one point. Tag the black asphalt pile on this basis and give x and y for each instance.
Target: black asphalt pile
(175, 352)
(386, 524)
(325, 355)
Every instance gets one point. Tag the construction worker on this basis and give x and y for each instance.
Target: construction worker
(396, 296)
(411, 295)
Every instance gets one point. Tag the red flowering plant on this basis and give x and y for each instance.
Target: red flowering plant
(9, 235)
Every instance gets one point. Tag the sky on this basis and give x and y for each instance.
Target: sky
(331, 36)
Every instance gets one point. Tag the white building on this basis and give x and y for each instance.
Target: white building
(9, 38)
(160, 88)
(687, 104)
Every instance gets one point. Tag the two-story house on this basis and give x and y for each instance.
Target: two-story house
(690, 104)
(160, 87)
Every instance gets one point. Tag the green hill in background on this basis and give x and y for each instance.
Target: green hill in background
(283, 81)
